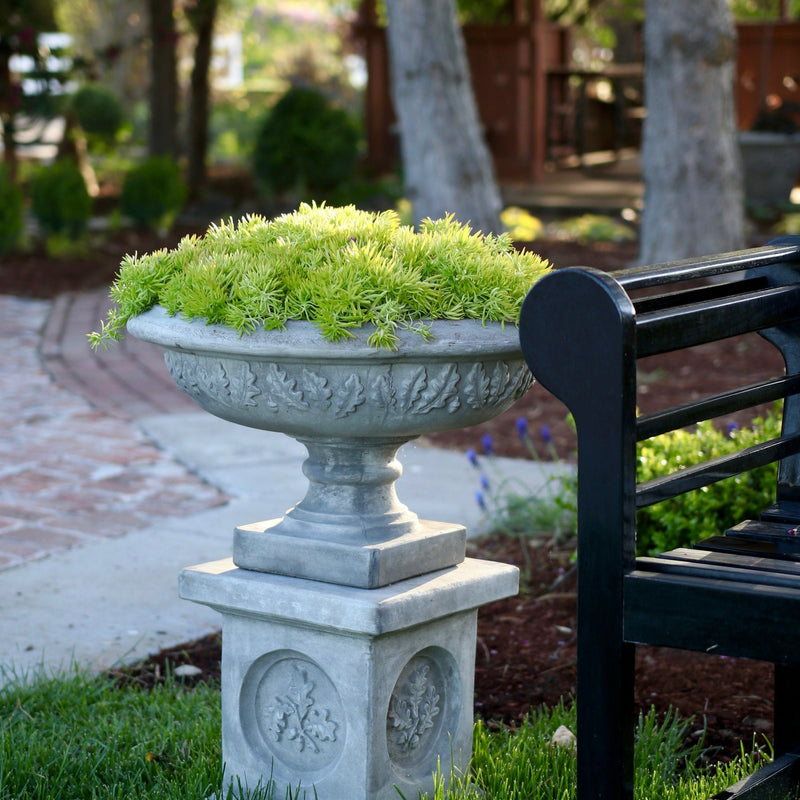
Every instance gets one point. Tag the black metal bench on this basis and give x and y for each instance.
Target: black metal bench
(582, 332)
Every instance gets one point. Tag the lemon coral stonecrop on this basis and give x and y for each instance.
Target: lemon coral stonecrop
(338, 267)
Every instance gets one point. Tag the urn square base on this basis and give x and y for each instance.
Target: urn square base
(354, 692)
(346, 559)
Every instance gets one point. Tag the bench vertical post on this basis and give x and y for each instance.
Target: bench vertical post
(601, 397)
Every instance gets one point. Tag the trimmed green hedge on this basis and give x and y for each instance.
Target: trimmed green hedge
(153, 193)
(709, 511)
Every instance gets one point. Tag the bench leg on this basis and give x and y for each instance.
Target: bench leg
(787, 708)
(606, 721)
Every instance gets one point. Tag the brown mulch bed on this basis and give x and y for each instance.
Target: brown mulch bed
(526, 646)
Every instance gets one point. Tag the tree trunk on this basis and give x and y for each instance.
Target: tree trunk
(446, 163)
(691, 165)
(202, 15)
(7, 102)
(163, 138)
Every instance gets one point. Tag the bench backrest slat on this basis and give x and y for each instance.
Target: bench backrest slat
(687, 326)
(649, 425)
(716, 469)
(705, 267)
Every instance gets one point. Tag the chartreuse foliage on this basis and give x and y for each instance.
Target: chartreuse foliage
(337, 267)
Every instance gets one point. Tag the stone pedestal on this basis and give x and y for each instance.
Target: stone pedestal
(352, 691)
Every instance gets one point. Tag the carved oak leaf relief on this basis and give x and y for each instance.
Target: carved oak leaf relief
(281, 390)
(499, 379)
(348, 396)
(423, 390)
(413, 709)
(242, 388)
(186, 379)
(476, 386)
(382, 392)
(411, 389)
(316, 388)
(294, 717)
(439, 391)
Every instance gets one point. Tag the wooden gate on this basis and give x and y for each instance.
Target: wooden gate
(769, 64)
(508, 64)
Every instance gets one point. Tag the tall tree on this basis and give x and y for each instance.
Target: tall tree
(163, 132)
(446, 163)
(690, 156)
(201, 15)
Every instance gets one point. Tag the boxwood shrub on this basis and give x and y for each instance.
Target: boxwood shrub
(709, 511)
(98, 111)
(305, 144)
(153, 193)
(60, 200)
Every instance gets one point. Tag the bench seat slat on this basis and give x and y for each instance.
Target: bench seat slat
(699, 610)
(776, 779)
(716, 469)
(730, 565)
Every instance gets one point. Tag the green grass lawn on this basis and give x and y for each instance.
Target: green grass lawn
(80, 737)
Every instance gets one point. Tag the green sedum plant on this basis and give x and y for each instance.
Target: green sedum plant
(60, 200)
(12, 213)
(337, 267)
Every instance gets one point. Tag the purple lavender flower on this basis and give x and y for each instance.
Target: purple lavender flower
(522, 427)
(547, 437)
(488, 443)
(484, 482)
(472, 457)
(480, 499)
(732, 428)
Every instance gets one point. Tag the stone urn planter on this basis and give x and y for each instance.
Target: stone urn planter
(352, 406)
(349, 624)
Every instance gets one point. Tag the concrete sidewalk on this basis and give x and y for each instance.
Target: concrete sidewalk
(115, 599)
(99, 514)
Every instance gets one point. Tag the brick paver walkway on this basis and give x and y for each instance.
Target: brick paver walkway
(127, 380)
(71, 470)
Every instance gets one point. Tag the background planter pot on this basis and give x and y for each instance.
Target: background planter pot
(352, 406)
(771, 166)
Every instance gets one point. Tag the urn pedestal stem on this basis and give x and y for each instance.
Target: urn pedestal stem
(350, 528)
